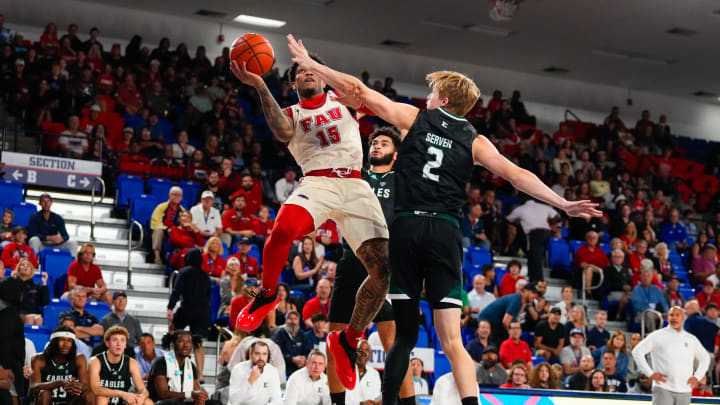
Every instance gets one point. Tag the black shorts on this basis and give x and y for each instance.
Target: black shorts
(349, 275)
(426, 253)
(199, 321)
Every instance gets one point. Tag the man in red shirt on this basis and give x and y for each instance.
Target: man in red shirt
(262, 226)
(509, 280)
(513, 348)
(234, 221)
(248, 265)
(319, 303)
(707, 294)
(84, 273)
(253, 192)
(588, 254)
(18, 249)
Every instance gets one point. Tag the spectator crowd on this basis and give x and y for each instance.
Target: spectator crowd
(166, 113)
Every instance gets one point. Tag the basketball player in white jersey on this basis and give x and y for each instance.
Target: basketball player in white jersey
(324, 138)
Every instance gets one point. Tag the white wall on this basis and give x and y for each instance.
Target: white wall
(546, 97)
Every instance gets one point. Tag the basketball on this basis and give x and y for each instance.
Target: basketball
(255, 51)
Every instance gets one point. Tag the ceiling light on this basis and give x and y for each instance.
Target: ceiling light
(259, 21)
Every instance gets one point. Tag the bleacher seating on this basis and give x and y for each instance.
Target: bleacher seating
(142, 207)
(23, 210)
(55, 262)
(99, 309)
(190, 192)
(559, 254)
(479, 256)
(52, 310)
(128, 188)
(423, 338)
(37, 334)
(159, 188)
(11, 192)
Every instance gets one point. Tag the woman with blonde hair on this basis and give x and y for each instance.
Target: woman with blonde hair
(629, 238)
(213, 262)
(664, 266)
(576, 319)
(542, 376)
(616, 345)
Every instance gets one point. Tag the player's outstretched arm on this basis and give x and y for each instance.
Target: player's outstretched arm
(399, 114)
(485, 154)
(277, 119)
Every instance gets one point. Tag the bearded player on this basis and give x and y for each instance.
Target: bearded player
(350, 271)
(324, 138)
(435, 162)
(59, 374)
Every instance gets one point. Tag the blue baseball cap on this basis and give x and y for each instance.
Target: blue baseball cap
(243, 241)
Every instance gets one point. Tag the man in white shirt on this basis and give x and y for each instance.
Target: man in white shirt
(308, 385)
(206, 217)
(367, 389)
(478, 297)
(73, 142)
(285, 186)
(255, 381)
(535, 219)
(673, 354)
(445, 392)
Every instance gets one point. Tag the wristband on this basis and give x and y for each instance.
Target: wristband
(188, 396)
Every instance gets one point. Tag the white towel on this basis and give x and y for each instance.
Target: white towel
(175, 384)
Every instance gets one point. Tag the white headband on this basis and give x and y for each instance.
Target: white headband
(62, 334)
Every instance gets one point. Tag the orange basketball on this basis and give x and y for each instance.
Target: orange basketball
(254, 50)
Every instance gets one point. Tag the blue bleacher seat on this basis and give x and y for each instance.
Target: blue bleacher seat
(468, 334)
(500, 272)
(226, 251)
(559, 254)
(52, 310)
(128, 188)
(564, 233)
(214, 301)
(686, 291)
(605, 248)
(190, 192)
(142, 207)
(479, 256)
(12, 192)
(675, 258)
(273, 213)
(575, 245)
(99, 309)
(39, 335)
(296, 293)
(442, 365)
(538, 359)
(159, 188)
(23, 211)
(255, 252)
(427, 310)
(423, 338)
(55, 262)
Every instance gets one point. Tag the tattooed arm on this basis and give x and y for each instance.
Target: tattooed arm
(277, 119)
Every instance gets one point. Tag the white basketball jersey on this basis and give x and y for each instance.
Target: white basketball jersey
(327, 135)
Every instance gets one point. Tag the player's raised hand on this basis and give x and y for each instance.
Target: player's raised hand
(245, 76)
(300, 54)
(583, 208)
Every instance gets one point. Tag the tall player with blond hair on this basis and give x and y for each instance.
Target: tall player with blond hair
(435, 161)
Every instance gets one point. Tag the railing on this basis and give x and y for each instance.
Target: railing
(92, 204)
(592, 287)
(130, 249)
(171, 282)
(642, 320)
(221, 331)
(569, 112)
